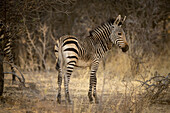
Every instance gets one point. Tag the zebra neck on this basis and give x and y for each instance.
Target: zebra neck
(101, 44)
(101, 35)
(102, 40)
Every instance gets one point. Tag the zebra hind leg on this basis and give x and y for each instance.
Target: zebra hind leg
(67, 75)
(59, 85)
(66, 86)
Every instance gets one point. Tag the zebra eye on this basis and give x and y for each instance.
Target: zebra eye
(119, 33)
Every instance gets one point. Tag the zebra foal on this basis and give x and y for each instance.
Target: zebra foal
(73, 52)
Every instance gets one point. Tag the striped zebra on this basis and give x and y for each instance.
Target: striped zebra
(73, 52)
(5, 42)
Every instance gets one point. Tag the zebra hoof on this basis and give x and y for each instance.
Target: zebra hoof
(59, 98)
(14, 82)
(97, 101)
(91, 100)
(70, 102)
(59, 101)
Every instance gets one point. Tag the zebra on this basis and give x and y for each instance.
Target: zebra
(5, 41)
(71, 52)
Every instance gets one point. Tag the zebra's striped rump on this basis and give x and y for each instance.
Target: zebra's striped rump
(67, 54)
(69, 50)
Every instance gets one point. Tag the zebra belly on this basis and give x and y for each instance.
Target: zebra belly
(82, 63)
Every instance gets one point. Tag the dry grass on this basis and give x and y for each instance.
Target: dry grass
(118, 90)
(118, 93)
(40, 96)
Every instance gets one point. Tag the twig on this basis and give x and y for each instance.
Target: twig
(14, 74)
(159, 84)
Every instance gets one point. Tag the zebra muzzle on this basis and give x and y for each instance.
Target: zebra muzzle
(126, 48)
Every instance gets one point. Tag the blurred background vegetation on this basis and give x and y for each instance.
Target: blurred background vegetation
(130, 81)
(35, 24)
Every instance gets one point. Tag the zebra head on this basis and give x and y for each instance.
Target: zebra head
(118, 35)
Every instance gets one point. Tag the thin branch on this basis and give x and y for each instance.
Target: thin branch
(14, 75)
(23, 79)
(155, 86)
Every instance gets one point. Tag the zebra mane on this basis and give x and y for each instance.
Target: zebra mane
(94, 31)
(109, 22)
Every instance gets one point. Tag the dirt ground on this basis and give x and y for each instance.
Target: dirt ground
(39, 96)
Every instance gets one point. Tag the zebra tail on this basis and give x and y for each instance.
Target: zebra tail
(56, 49)
(57, 65)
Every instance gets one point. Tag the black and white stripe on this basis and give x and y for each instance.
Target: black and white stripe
(87, 52)
(5, 42)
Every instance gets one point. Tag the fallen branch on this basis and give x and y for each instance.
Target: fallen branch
(21, 80)
(16, 76)
(156, 85)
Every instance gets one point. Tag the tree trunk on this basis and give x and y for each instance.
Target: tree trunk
(1, 74)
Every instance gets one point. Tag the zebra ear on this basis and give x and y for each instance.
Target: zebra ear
(118, 19)
(121, 22)
(124, 19)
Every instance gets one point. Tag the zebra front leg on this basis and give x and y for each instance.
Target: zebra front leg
(90, 91)
(94, 90)
(93, 82)
(59, 85)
